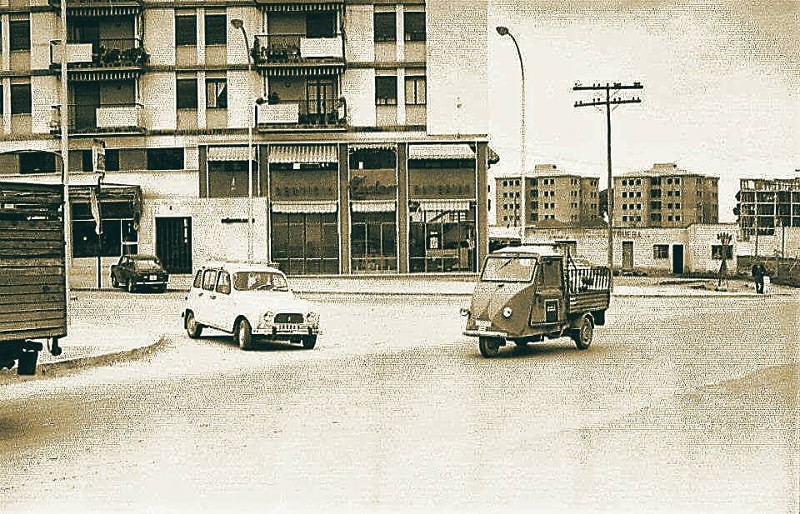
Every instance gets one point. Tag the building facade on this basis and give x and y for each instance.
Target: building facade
(768, 206)
(553, 198)
(665, 196)
(331, 137)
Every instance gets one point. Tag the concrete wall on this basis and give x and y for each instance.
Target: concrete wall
(159, 36)
(158, 97)
(359, 33)
(358, 86)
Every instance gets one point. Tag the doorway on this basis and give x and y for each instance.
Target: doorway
(627, 255)
(677, 259)
(174, 244)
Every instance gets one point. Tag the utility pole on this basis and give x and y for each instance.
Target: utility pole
(610, 103)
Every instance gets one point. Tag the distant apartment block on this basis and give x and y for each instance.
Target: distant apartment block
(766, 204)
(553, 198)
(665, 196)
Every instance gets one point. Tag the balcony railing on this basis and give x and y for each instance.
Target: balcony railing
(301, 114)
(105, 118)
(296, 48)
(104, 53)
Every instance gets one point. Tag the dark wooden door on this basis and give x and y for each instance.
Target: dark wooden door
(174, 244)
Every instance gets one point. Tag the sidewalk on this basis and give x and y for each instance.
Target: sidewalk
(95, 338)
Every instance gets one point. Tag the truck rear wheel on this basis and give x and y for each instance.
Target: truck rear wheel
(584, 333)
(489, 346)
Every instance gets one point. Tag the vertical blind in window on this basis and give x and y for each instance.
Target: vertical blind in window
(416, 93)
(217, 93)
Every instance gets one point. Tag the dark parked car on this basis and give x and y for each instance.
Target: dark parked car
(139, 271)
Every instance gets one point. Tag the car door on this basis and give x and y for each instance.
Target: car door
(549, 297)
(220, 301)
(204, 314)
(196, 288)
(124, 270)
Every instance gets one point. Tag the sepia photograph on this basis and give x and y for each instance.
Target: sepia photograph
(399, 256)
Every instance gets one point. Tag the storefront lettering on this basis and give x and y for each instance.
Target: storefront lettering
(304, 191)
(360, 189)
(443, 190)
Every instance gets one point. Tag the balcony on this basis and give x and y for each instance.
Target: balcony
(102, 119)
(301, 115)
(114, 55)
(297, 52)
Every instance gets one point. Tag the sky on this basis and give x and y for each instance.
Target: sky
(721, 84)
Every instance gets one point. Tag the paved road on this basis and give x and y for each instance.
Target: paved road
(681, 405)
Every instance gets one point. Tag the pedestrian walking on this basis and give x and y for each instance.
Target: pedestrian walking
(758, 271)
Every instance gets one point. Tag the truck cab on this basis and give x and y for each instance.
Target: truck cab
(527, 293)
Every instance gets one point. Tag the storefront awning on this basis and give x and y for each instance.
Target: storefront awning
(298, 5)
(444, 205)
(227, 153)
(373, 206)
(305, 154)
(460, 151)
(371, 146)
(84, 75)
(304, 207)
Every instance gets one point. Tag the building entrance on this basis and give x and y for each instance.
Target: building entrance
(174, 244)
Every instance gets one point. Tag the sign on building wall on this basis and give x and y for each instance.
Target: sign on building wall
(442, 183)
(295, 185)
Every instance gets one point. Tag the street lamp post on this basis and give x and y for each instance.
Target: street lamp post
(239, 24)
(503, 31)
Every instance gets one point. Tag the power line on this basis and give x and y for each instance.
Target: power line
(610, 102)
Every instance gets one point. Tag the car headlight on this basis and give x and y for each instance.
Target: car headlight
(312, 317)
(507, 312)
(464, 312)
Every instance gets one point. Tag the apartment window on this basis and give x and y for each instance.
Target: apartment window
(19, 35)
(165, 159)
(716, 252)
(216, 29)
(37, 162)
(186, 93)
(677, 180)
(416, 91)
(185, 29)
(415, 26)
(320, 24)
(217, 93)
(20, 98)
(385, 27)
(677, 193)
(385, 90)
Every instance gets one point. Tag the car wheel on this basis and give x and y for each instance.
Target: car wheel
(309, 342)
(584, 334)
(489, 346)
(131, 286)
(114, 282)
(193, 328)
(243, 334)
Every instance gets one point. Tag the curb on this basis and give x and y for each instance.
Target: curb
(56, 367)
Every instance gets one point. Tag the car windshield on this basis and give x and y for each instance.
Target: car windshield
(508, 269)
(146, 263)
(259, 281)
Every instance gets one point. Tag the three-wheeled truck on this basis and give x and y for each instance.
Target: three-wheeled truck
(33, 298)
(527, 293)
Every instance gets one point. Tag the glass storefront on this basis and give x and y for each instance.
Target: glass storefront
(118, 235)
(373, 245)
(305, 243)
(441, 240)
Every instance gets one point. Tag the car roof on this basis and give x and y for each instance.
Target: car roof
(538, 250)
(242, 266)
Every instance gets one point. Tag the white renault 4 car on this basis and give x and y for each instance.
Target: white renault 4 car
(250, 301)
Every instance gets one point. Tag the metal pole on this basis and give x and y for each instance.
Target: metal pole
(523, 137)
(64, 114)
(610, 195)
(99, 234)
(250, 181)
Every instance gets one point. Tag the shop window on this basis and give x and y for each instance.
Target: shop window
(165, 159)
(37, 162)
(19, 35)
(228, 179)
(216, 29)
(414, 28)
(185, 29)
(385, 27)
(386, 90)
(416, 91)
(305, 243)
(216, 93)
(20, 98)
(373, 242)
(442, 241)
(186, 93)
(118, 236)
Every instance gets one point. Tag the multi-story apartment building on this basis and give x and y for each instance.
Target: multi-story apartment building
(366, 117)
(765, 204)
(665, 196)
(553, 197)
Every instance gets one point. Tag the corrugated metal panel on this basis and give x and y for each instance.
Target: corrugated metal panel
(459, 151)
(305, 154)
(444, 205)
(301, 70)
(298, 5)
(98, 75)
(304, 207)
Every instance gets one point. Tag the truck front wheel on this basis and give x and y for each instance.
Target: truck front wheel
(583, 334)
(489, 346)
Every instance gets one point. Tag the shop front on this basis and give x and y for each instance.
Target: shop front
(304, 208)
(442, 209)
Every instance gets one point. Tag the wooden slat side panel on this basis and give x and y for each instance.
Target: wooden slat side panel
(59, 331)
(32, 289)
(10, 280)
(20, 234)
(32, 299)
(16, 262)
(35, 225)
(17, 319)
